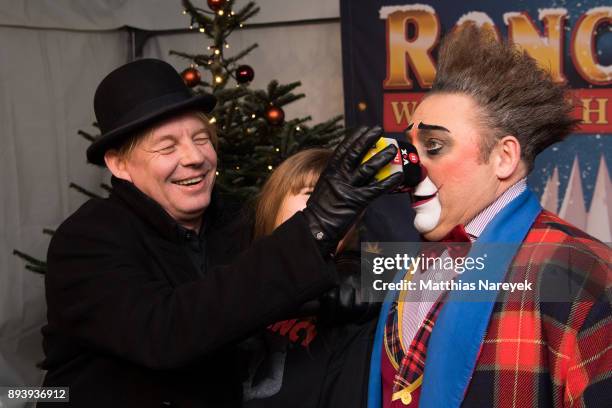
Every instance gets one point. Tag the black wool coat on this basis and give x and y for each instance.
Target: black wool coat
(132, 323)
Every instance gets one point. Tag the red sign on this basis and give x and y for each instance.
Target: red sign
(592, 106)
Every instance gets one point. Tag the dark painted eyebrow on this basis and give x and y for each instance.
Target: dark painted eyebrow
(425, 126)
(409, 128)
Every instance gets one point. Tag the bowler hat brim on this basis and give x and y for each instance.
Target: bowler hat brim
(117, 136)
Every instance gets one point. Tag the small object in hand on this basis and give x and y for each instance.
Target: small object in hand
(414, 172)
(395, 166)
(406, 161)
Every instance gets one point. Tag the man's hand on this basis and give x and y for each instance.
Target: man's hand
(345, 303)
(345, 188)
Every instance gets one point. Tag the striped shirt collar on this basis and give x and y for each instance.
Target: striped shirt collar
(475, 227)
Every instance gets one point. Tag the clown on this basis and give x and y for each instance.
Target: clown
(490, 112)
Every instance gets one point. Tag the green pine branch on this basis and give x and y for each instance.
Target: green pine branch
(233, 60)
(32, 264)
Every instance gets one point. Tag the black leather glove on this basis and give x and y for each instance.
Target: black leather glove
(346, 302)
(346, 187)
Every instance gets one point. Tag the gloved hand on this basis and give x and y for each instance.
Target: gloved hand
(345, 303)
(345, 188)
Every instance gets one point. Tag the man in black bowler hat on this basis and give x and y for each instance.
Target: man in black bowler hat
(138, 313)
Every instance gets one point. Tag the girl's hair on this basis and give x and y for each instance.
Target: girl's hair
(296, 172)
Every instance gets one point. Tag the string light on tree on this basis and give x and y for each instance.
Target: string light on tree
(191, 77)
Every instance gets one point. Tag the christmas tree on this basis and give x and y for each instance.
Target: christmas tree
(254, 135)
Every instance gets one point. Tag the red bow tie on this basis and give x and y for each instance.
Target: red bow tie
(457, 243)
(457, 234)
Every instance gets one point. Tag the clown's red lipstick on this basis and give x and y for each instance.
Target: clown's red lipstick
(420, 200)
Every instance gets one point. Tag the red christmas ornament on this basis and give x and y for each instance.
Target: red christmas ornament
(275, 116)
(216, 5)
(244, 74)
(191, 77)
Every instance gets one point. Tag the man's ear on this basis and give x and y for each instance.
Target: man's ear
(507, 157)
(117, 164)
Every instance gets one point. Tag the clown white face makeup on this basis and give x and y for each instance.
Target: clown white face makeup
(426, 204)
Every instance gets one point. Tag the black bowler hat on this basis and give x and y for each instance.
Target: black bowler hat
(136, 96)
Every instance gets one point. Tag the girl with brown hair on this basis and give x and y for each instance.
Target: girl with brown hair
(319, 359)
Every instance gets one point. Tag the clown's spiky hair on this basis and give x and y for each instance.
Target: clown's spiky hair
(515, 96)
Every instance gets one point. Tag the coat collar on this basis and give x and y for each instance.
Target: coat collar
(152, 213)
